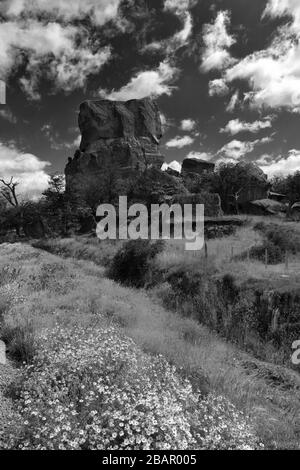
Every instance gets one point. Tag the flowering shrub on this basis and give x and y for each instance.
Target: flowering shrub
(94, 389)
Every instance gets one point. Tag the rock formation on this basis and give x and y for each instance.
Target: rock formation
(121, 137)
(195, 165)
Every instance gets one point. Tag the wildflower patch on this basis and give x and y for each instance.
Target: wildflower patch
(95, 389)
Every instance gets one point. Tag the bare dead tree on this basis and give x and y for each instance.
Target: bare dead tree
(236, 196)
(8, 191)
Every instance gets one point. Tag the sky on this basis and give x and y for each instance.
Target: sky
(225, 74)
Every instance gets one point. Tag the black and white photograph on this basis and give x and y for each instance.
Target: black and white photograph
(149, 228)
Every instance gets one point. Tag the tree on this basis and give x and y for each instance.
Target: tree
(14, 211)
(289, 185)
(8, 191)
(59, 209)
(230, 180)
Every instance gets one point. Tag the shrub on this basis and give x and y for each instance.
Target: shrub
(90, 249)
(20, 341)
(132, 264)
(284, 237)
(275, 253)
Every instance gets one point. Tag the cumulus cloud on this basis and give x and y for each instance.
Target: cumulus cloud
(180, 142)
(283, 166)
(278, 8)
(175, 165)
(218, 87)
(187, 125)
(217, 42)
(31, 34)
(27, 169)
(236, 149)
(148, 83)
(273, 74)
(200, 155)
(235, 126)
(99, 11)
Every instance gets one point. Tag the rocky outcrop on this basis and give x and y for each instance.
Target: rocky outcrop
(195, 165)
(120, 137)
(157, 187)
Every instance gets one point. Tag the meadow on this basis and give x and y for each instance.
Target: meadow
(221, 394)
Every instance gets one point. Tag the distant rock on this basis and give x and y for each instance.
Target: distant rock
(156, 187)
(195, 165)
(253, 170)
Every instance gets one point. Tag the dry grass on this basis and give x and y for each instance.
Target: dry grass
(71, 292)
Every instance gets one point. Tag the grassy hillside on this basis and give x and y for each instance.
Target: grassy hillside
(68, 321)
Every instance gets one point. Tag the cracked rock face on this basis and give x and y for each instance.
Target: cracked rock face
(121, 136)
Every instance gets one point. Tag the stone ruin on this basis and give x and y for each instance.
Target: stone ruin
(121, 137)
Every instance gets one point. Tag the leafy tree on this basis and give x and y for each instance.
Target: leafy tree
(289, 185)
(231, 179)
(60, 210)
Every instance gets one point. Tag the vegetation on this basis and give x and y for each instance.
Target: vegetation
(89, 385)
(133, 263)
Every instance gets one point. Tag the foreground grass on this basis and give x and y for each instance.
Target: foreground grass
(87, 385)
(50, 291)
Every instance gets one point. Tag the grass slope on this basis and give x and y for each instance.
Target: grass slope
(45, 291)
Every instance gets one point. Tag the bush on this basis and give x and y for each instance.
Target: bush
(275, 253)
(284, 237)
(20, 341)
(132, 265)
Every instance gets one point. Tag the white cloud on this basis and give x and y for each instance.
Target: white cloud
(26, 168)
(149, 83)
(99, 11)
(278, 8)
(200, 155)
(217, 41)
(188, 125)
(265, 159)
(177, 6)
(233, 103)
(62, 53)
(273, 74)
(283, 166)
(235, 126)
(236, 149)
(218, 87)
(179, 39)
(175, 165)
(180, 142)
